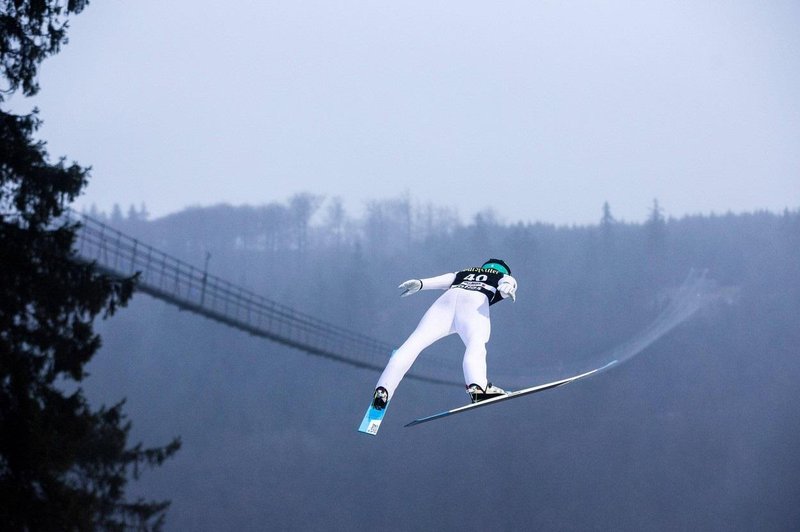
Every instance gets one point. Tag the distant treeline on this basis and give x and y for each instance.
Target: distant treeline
(603, 279)
(308, 221)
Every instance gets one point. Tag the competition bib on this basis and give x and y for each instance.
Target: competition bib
(479, 280)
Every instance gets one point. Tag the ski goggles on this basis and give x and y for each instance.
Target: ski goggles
(494, 266)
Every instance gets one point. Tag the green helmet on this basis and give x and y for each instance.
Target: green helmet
(497, 265)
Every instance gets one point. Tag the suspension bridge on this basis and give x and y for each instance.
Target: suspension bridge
(193, 289)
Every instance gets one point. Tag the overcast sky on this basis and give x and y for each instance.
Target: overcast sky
(539, 110)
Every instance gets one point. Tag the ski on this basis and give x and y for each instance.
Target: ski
(510, 395)
(372, 420)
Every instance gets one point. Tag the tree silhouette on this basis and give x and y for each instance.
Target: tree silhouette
(607, 223)
(301, 208)
(63, 465)
(656, 226)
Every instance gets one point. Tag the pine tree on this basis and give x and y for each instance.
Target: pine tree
(656, 228)
(63, 465)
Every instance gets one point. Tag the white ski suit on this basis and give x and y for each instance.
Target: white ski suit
(462, 309)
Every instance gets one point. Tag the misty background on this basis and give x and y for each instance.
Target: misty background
(542, 110)
(698, 431)
(320, 153)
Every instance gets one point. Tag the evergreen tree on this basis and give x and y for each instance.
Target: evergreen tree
(656, 227)
(63, 465)
(607, 223)
(656, 244)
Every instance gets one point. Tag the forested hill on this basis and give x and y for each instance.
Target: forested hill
(701, 420)
(582, 288)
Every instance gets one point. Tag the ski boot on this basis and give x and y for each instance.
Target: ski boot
(477, 394)
(380, 399)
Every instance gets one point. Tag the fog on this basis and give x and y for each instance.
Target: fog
(696, 431)
(635, 163)
(541, 110)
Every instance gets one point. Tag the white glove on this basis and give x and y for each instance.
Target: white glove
(508, 288)
(409, 287)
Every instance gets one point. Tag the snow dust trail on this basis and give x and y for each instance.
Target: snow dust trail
(695, 293)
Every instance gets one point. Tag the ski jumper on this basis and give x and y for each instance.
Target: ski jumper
(462, 309)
